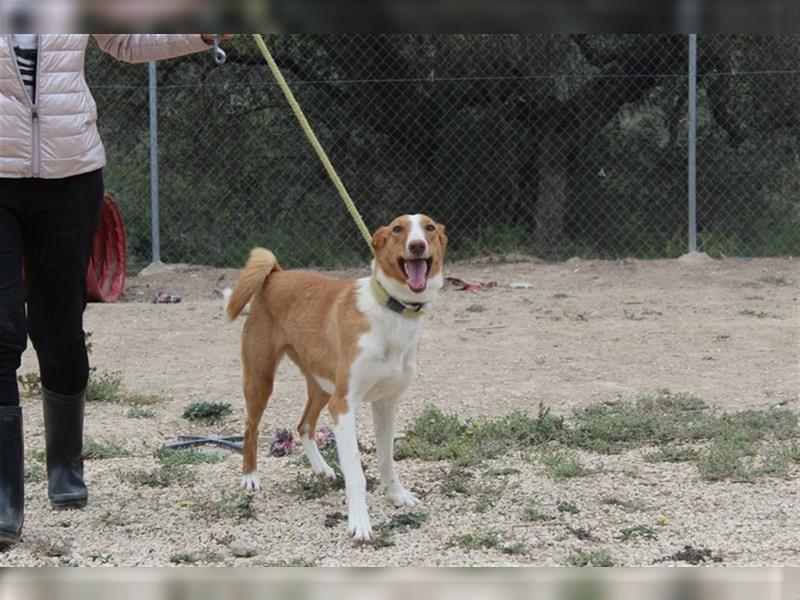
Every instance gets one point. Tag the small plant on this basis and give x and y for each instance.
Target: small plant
(582, 533)
(760, 314)
(626, 505)
(568, 507)
(581, 318)
(136, 412)
(161, 477)
(594, 558)
(672, 454)
(292, 562)
(384, 534)
(334, 518)
(237, 505)
(502, 472)
(778, 280)
(560, 295)
(564, 465)
(693, 556)
(456, 481)
(645, 532)
(189, 456)
(475, 308)
(31, 383)
(514, 549)
(631, 316)
(486, 497)
(35, 474)
(207, 412)
(99, 450)
(478, 540)
(729, 457)
(142, 400)
(183, 558)
(533, 513)
(105, 387)
(37, 455)
(309, 486)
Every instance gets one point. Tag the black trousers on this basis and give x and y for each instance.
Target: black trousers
(49, 223)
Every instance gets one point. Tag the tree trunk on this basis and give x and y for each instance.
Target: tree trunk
(552, 194)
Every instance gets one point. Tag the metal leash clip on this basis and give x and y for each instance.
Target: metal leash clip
(219, 53)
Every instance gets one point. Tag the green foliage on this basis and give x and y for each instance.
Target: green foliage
(102, 450)
(35, 474)
(455, 126)
(160, 477)
(207, 412)
(673, 454)
(136, 412)
(479, 540)
(104, 387)
(568, 507)
(563, 465)
(434, 435)
(237, 505)
(645, 532)
(626, 505)
(534, 513)
(189, 456)
(31, 383)
(593, 558)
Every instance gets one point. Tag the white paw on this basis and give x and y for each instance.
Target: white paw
(358, 524)
(402, 497)
(325, 471)
(251, 482)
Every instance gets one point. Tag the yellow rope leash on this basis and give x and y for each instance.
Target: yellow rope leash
(298, 112)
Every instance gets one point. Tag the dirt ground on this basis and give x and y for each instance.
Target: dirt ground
(566, 335)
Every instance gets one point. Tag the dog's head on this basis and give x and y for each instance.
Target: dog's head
(409, 256)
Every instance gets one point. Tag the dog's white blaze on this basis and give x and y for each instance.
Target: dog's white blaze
(318, 464)
(416, 234)
(326, 384)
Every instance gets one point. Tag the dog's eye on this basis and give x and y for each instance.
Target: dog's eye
(398, 229)
(430, 227)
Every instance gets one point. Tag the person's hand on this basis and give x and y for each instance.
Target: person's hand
(208, 38)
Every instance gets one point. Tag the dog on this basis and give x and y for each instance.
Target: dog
(354, 340)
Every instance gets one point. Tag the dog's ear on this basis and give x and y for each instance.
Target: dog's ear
(379, 238)
(440, 231)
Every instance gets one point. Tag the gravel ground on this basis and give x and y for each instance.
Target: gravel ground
(566, 335)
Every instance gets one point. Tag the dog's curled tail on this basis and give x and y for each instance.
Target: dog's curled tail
(261, 263)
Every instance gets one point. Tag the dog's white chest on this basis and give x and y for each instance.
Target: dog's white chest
(387, 363)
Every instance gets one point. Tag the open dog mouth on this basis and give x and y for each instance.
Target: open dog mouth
(416, 271)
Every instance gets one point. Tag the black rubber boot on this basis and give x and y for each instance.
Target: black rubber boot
(12, 475)
(63, 426)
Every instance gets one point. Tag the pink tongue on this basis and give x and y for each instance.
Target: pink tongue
(417, 272)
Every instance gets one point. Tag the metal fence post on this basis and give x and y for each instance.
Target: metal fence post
(693, 142)
(154, 214)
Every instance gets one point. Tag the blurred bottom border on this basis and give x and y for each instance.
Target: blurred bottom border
(736, 583)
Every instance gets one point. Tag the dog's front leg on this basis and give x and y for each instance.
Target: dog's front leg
(383, 416)
(343, 411)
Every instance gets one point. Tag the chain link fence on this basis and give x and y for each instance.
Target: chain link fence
(550, 145)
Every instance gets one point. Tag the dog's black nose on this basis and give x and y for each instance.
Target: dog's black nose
(417, 247)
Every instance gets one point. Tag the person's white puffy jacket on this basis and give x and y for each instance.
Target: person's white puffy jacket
(57, 137)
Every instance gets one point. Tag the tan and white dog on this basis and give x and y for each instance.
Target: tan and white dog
(354, 340)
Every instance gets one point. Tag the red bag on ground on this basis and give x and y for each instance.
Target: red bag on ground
(108, 263)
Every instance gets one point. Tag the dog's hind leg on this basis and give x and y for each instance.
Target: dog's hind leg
(317, 400)
(259, 375)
